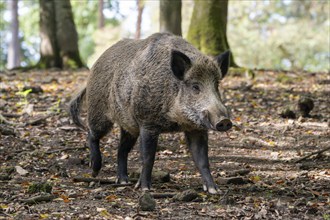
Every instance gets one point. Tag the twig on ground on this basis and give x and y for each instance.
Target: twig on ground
(36, 199)
(3, 120)
(90, 179)
(39, 120)
(311, 154)
(162, 195)
(11, 115)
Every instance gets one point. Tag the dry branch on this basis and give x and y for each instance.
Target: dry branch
(90, 179)
(36, 199)
(39, 120)
(311, 154)
(5, 121)
(162, 195)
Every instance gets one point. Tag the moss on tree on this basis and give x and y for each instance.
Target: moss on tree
(208, 27)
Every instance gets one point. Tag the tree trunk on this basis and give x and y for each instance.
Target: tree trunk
(170, 16)
(101, 15)
(140, 7)
(208, 27)
(59, 38)
(14, 47)
(49, 51)
(67, 36)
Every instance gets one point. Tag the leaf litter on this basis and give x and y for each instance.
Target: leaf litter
(257, 165)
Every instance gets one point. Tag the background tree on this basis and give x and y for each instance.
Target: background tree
(140, 7)
(14, 45)
(100, 14)
(208, 27)
(59, 38)
(170, 16)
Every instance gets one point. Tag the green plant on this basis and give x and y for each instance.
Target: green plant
(24, 94)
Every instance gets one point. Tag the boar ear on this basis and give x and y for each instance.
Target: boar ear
(223, 62)
(179, 63)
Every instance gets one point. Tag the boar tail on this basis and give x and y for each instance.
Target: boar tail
(75, 107)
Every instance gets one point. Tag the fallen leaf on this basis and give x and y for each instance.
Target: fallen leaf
(44, 216)
(111, 198)
(65, 198)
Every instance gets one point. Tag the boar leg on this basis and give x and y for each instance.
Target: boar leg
(197, 142)
(96, 132)
(126, 144)
(148, 146)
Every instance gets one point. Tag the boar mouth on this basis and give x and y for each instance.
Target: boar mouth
(206, 120)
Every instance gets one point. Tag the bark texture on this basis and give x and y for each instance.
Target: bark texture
(67, 36)
(208, 27)
(59, 38)
(170, 16)
(14, 47)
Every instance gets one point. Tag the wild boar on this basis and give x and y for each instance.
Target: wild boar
(148, 87)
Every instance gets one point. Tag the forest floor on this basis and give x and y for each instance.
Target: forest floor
(255, 166)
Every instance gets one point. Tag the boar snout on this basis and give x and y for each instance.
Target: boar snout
(224, 125)
(219, 124)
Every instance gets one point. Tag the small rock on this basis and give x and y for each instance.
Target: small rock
(75, 161)
(287, 113)
(4, 130)
(147, 202)
(186, 196)
(307, 166)
(305, 105)
(241, 172)
(157, 176)
(3, 103)
(34, 89)
(4, 177)
(161, 176)
(21, 171)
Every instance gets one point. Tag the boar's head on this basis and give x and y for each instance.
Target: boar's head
(198, 103)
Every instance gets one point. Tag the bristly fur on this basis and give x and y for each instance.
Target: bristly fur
(75, 107)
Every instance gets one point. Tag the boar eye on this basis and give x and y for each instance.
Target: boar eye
(196, 88)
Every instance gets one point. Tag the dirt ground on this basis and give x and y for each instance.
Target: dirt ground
(255, 164)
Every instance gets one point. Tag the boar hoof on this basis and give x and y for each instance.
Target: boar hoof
(211, 190)
(122, 180)
(145, 189)
(138, 185)
(95, 173)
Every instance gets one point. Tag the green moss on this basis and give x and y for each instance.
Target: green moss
(71, 61)
(40, 187)
(207, 30)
